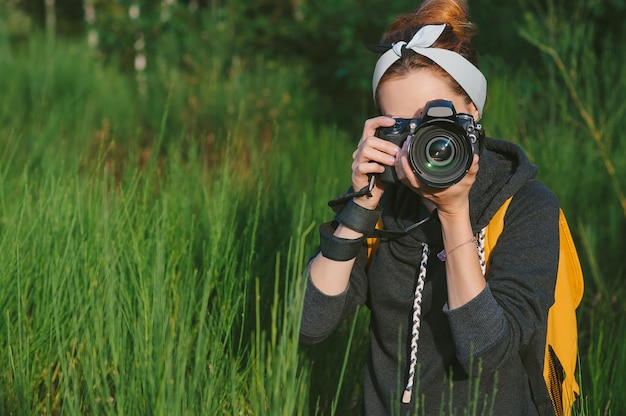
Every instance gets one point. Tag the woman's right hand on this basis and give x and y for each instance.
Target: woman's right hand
(331, 277)
(372, 149)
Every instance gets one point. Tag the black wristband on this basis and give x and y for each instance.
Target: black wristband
(336, 248)
(357, 218)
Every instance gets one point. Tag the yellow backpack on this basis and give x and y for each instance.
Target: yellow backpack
(561, 352)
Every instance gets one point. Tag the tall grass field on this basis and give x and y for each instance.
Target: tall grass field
(152, 243)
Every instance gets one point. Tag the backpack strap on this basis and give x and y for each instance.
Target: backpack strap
(554, 389)
(373, 242)
(561, 349)
(494, 229)
(531, 362)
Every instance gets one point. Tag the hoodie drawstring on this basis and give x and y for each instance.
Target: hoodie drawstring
(417, 310)
(415, 330)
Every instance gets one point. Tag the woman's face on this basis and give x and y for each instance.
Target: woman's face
(406, 97)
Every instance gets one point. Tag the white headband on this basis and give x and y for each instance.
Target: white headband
(463, 71)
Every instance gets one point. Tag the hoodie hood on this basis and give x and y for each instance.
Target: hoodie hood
(503, 169)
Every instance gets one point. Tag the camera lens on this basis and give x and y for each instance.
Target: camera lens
(440, 153)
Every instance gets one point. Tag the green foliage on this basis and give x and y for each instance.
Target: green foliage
(591, 107)
(14, 23)
(327, 37)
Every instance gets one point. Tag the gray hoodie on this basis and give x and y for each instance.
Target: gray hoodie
(471, 359)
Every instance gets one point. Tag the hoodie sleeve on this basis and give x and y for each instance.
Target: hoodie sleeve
(512, 310)
(322, 313)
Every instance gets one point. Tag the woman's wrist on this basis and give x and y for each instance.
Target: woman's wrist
(339, 246)
(358, 218)
(456, 227)
(443, 254)
(454, 215)
(367, 202)
(345, 232)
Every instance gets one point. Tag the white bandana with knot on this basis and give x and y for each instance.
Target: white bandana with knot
(460, 69)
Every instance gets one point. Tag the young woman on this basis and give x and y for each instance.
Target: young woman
(445, 338)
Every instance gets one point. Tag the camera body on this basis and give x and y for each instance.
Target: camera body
(442, 147)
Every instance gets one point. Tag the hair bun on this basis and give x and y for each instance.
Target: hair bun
(454, 13)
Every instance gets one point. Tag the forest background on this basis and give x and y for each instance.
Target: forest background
(165, 165)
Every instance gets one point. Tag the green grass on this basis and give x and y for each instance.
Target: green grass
(152, 282)
(152, 247)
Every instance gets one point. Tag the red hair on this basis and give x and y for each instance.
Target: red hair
(456, 37)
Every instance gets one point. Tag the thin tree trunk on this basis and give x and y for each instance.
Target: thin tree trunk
(166, 9)
(51, 18)
(90, 20)
(134, 12)
(297, 8)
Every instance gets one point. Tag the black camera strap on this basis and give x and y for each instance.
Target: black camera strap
(426, 230)
(342, 199)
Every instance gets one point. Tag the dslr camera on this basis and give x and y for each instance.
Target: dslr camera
(442, 146)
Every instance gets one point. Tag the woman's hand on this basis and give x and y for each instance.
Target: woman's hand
(451, 201)
(463, 274)
(372, 149)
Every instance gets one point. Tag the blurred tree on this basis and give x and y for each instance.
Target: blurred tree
(14, 22)
(327, 36)
(62, 17)
(90, 23)
(51, 18)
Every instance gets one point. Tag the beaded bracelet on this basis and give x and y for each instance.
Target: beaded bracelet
(443, 255)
